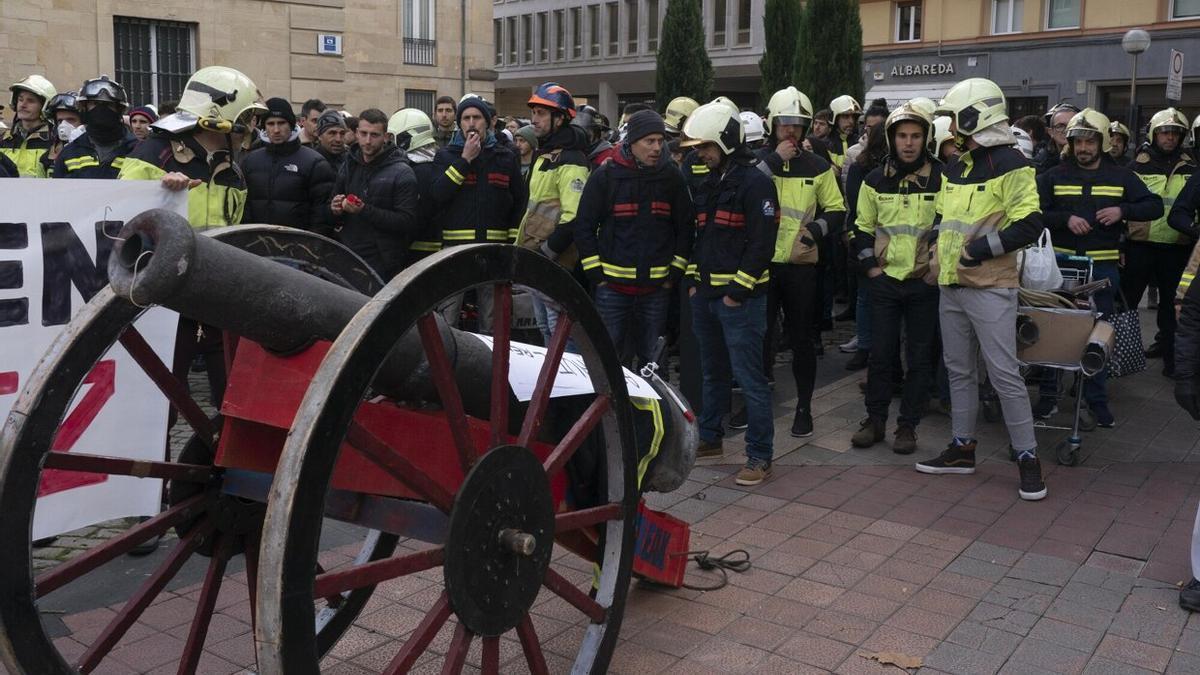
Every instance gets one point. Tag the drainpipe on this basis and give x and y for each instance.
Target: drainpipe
(462, 64)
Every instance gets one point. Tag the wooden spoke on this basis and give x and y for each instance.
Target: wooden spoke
(369, 574)
(205, 605)
(532, 648)
(175, 391)
(545, 382)
(442, 375)
(564, 589)
(251, 555)
(501, 339)
(575, 520)
(456, 655)
(421, 637)
(374, 449)
(123, 466)
(491, 656)
(579, 431)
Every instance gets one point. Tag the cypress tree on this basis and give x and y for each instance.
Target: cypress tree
(829, 56)
(781, 28)
(683, 67)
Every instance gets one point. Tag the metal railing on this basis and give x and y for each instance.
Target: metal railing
(420, 52)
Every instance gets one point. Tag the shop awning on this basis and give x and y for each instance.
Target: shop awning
(897, 94)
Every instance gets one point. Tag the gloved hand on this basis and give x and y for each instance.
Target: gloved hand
(1185, 396)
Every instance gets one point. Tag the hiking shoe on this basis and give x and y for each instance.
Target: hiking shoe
(858, 361)
(1104, 416)
(870, 432)
(1189, 596)
(1044, 408)
(738, 420)
(906, 440)
(756, 471)
(710, 449)
(954, 459)
(802, 425)
(1033, 487)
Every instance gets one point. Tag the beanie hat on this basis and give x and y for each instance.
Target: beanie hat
(278, 107)
(643, 123)
(145, 111)
(328, 120)
(528, 133)
(473, 102)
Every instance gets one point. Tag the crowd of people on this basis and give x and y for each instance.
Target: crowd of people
(915, 213)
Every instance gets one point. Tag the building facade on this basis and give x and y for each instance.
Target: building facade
(349, 53)
(1039, 51)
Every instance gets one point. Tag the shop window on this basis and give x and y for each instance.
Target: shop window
(1006, 16)
(154, 59)
(1062, 14)
(1185, 9)
(908, 22)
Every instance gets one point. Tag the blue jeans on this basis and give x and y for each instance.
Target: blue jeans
(731, 341)
(546, 312)
(643, 317)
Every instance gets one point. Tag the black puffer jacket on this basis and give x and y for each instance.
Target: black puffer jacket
(288, 184)
(382, 232)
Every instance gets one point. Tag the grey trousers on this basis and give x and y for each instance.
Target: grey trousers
(984, 320)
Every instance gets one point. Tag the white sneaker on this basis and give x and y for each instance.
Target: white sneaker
(849, 347)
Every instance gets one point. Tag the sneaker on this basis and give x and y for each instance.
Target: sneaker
(1189, 596)
(954, 459)
(870, 432)
(738, 420)
(849, 347)
(906, 440)
(1033, 487)
(802, 424)
(1044, 408)
(1104, 416)
(710, 449)
(755, 472)
(858, 361)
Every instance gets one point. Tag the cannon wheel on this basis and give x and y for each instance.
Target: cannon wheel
(26, 450)
(476, 575)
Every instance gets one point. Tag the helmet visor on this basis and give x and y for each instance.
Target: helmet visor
(102, 90)
(790, 119)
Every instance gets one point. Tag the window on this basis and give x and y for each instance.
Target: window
(1062, 14)
(908, 22)
(527, 37)
(614, 29)
(560, 35)
(1185, 9)
(594, 31)
(631, 24)
(719, 23)
(154, 59)
(421, 99)
(543, 36)
(419, 19)
(512, 40)
(498, 40)
(743, 25)
(652, 25)
(576, 32)
(1006, 16)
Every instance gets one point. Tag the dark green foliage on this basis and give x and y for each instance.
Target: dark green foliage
(684, 68)
(781, 27)
(829, 53)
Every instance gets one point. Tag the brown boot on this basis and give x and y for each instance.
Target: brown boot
(906, 440)
(710, 449)
(871, 432)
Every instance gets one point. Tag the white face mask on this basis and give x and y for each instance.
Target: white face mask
(64, 130)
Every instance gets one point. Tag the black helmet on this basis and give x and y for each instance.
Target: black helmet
(104, 89)
(62, 101)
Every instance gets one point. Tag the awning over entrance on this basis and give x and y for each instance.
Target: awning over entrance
(897, 94)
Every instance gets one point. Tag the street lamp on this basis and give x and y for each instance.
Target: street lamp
(1134, 42)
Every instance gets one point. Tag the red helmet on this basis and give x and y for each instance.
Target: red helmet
(555, 97)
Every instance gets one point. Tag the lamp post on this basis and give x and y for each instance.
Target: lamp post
(1134, 42)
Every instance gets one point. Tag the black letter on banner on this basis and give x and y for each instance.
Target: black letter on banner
(65, 261)
(13, 311)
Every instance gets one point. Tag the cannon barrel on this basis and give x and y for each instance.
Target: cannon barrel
(159, 259)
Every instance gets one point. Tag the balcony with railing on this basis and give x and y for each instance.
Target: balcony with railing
(420, 52)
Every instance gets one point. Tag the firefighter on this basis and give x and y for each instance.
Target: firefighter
(895, 214)
(1118, 136)
(62, 113)
(737, 218)
(942, 141)
(412, 132)
(846, 111)
(988, 209)
(1086, 199)
(1155, 253)
(30, 137)
(677, 112)
(101, 150)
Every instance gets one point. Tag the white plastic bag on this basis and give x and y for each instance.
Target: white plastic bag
(1039, 269)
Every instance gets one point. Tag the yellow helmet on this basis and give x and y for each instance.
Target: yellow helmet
(1087, 122)
(412, 128)
(925, 105)
(1165, 120)
(36, 85)
(714, 122)
(677, 113)
(974, 104)
(907, 113)
(790, 106)
(941, 134)
(220, 99)
(845, 105)
(728, 103)
(1118, 128)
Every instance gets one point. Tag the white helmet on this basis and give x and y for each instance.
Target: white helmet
(1024, 141)
(790, 106)
(716, 123)
(752, 126)
(411, 128)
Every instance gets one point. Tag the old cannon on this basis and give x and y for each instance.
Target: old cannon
(363, 446)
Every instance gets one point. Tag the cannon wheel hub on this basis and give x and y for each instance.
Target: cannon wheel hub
(503, 510)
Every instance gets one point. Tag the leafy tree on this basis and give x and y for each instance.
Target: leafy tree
(781, 26)
(829, 53)
(684, 68)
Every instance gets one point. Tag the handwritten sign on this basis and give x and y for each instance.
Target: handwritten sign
(525, 362)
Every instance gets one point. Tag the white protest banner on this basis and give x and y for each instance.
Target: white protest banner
(525, 362)
(55, 240)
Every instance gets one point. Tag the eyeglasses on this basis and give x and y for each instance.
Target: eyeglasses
(1059, 128)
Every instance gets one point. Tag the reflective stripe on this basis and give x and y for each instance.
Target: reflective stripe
(591, 262)
(865, 253)
(901, 230)
(965, 229)
(619, 272)
(660, 272)
(80, 163)
(742, 278)
(497, 235)
(1068, 190)
(118, 162)
(429, 246)
(795, 214)
(1108, 190)
(454, 175)
(1186, 281)
(679, 262)
(699, 169)
(822, 226)
(1101, 254)
(994, 243)
(458, 235)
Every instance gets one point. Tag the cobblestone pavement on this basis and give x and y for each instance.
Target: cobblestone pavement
(853, 554)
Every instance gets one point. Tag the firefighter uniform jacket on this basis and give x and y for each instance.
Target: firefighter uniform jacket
(895, 216)
(1068, 190)
(810, 205)
(988, 206)
(635, 224)
(1165, 176)
(479, 201)
(220, 197)
(429, 238)
(737, 219)
(836, 144)
(81, 159)
(694, 171)
(1182, 217)
(556, 180)
(27, 150)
